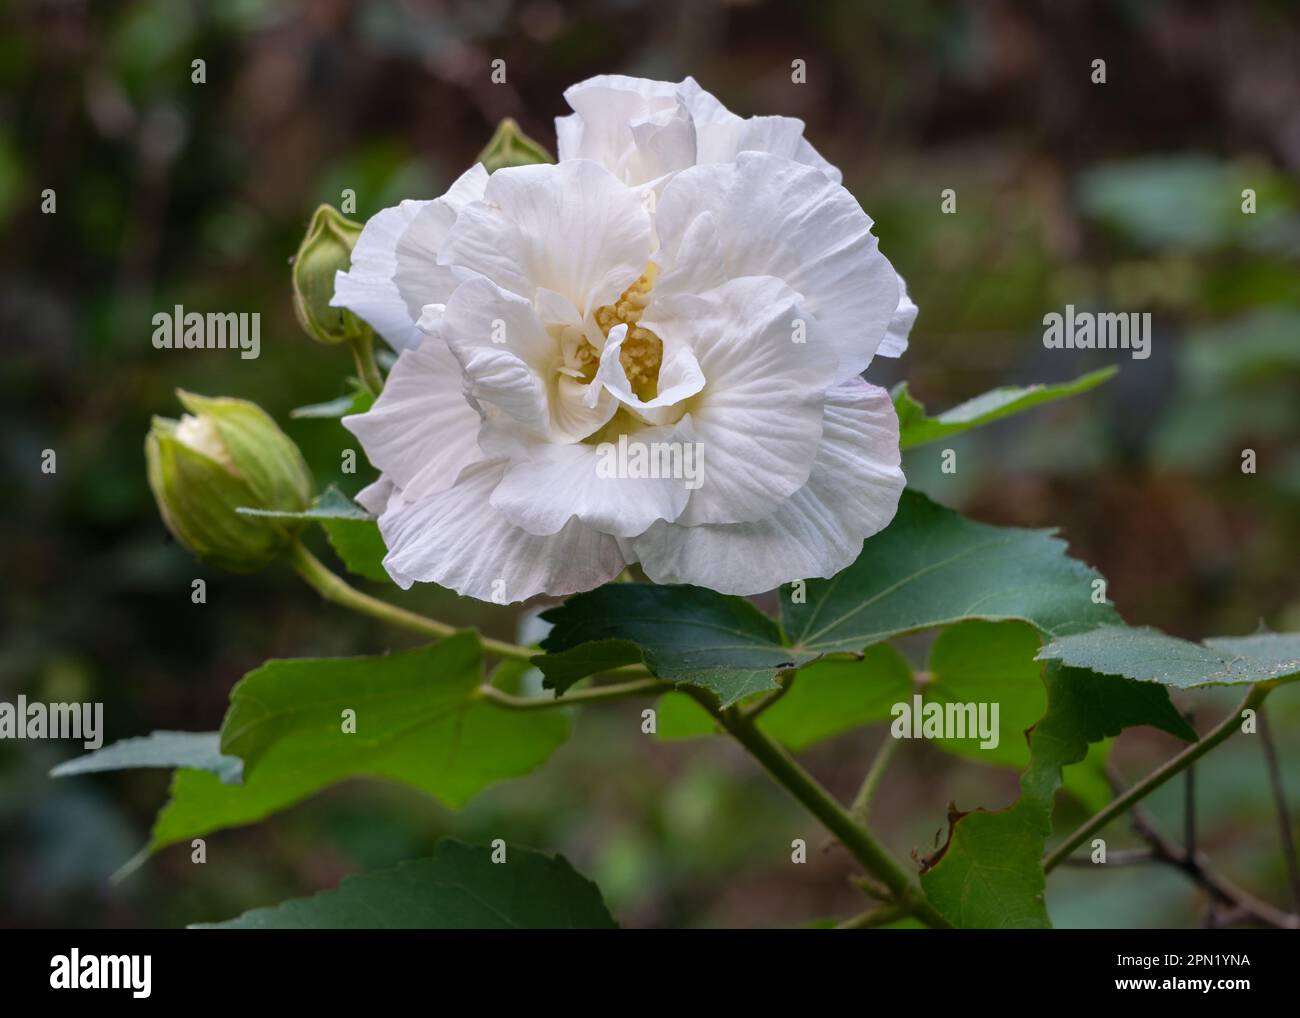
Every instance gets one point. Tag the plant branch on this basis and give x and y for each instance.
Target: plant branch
(335, 589)
(642, 687)
(1283, 813)
(799, 783)
(862, 801)
(1170, 769)
(363, 356)
(1196, 867)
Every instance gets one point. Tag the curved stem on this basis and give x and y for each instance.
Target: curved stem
(363, 356)
(334, 588)
(818, 801)
(862, 801)
(642, 687)
(1169, 769)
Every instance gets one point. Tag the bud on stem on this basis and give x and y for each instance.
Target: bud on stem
(223, 455)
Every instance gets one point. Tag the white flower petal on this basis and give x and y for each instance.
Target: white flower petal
(592, 483)
(605, 107)
(759, 415)
(481, 315)
(421, 431)
(643, 130)
(900, 326)
(499, 378)
(456, 539)
(373, 498)
(395, 270)
(852, 493)
(723, 141)
(811, 234)
(569, 227)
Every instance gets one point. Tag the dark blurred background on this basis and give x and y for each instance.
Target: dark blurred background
(1123, 196)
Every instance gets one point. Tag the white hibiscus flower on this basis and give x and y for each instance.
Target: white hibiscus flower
(682, 281)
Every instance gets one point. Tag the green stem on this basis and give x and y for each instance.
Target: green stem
(1169, 769)
(363, 355)
(799, 783)
(862, 801)
(642, 687)
(334, 588)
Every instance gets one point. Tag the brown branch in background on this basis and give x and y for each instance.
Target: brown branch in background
(1228, 903)
(1283, 813)
(1241, 904)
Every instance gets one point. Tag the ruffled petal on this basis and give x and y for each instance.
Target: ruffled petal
(570, 227)
(900, 326)
(395, 270)
(766, 364)
(456, 539)
(812, 235)
(619, 487)
(421, 431)
(643, 130)
(852, 493)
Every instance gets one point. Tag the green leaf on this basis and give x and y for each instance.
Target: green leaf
(358, 401)
(331, 504)
(829, 697)
(352, 532)
(930, 567)
(682, 634)
(359, 545)
(1087, 780)
(679, 717)
(916, 427)
(1152, 656)
(992, 663)
(198, 750)
(459, 888)
(990, 873)
(417, 722)
(973, 662)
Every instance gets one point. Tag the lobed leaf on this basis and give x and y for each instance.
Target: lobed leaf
(417, 722)
(683, 634)
(459, 888)
(990, 873)
(196, 750)
(916, 427)
(930, 567)
(1152, 656)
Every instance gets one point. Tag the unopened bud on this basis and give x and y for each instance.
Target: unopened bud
(223, 455)
(326, 249)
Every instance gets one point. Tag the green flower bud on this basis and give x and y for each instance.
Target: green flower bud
(325, 250)
(224, 454)
(511, 147)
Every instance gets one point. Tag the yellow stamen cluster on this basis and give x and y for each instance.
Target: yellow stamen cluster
(642, 351)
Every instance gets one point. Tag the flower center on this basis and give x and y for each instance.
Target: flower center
(642, 351)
